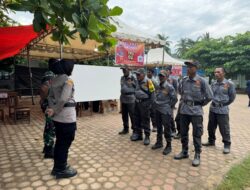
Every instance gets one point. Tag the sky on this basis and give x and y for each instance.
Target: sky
(180, 18)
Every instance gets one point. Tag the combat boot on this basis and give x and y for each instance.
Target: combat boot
(136, 137)
(124, 132)
(208, 144)
(226, 149)
(196, 160)
(177, 136)
(182, 155)
(154, 129)
(66, 173)
(146, 140)
(167, 149)
(157, 145)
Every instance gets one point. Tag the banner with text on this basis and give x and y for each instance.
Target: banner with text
(131, 53)
(176, 70)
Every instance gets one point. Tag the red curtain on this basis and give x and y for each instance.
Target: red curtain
(13, 39)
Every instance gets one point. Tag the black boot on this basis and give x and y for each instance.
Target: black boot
(226, 149)
(196, 160)
(146, 140)
(66, 173)
(208, 144)
(167, 149)
(157, 145)
(123, 132)
(182, 155)
(136, 137)
(177, 136)
(48, 152)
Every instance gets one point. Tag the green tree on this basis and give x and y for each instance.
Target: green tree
(231, 52)
(165, 38)
(67, 17)
(5, 20)
(183, 46)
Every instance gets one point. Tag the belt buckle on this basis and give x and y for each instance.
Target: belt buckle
(190, 103)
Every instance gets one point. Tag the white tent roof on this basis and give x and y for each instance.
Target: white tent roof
(125, 31)
(155, 56)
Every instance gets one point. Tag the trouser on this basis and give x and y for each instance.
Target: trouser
(65, 134)
(223, 121)
(178, 123)
(142, 117)
(197, 123)
(128, 110)
(49, 132)
(163, 120)
(173, 129)
(153, 117)
(249, 100)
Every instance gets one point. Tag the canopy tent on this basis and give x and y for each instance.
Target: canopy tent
(127, 32)
(15, 40)
(156, 56)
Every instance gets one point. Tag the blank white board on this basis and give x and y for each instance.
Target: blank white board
(96, 82)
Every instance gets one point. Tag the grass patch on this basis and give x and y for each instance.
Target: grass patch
(238, 177)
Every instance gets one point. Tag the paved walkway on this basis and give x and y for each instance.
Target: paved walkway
(105, 160)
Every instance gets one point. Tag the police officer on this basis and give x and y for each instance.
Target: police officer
(171, 80)
(150, 73)
(127, 99)
(63, 112)
(143, 102)
(195, 93)
(224, 94)
(165, 99)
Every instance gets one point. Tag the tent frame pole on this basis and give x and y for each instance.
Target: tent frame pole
(163, 54)
(30, 72)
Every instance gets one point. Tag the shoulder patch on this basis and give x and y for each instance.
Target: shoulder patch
(70, 82)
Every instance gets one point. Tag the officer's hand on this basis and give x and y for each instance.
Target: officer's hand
(50, 112)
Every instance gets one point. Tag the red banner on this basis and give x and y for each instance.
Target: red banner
(176, 70)
(131, 53)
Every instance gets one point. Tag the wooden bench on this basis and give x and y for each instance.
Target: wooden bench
(2, 114)
(22, 113)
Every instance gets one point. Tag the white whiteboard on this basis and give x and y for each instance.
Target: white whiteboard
(96, 82)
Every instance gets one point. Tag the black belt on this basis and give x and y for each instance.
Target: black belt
(218, 104)
(70, 104)
(129, 93)
(192, 103)
(142, 100)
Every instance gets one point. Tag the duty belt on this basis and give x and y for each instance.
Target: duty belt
(142, 100)
(70, 104)
(192, 103)
(218, 104)
(129, 93)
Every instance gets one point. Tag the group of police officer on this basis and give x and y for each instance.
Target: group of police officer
(143, 98)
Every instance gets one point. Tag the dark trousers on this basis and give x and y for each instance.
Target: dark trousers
(249, 100)
(128, 110)
(153, 117)
(142, 117)
(163, 120)
(197, 123)
(223, 121)
(178, 122)
(173, 129)
(65, 134)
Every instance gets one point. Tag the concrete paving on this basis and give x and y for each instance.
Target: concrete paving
(106, 160)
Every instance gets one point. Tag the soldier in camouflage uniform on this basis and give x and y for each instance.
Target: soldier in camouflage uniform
(49, 129)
